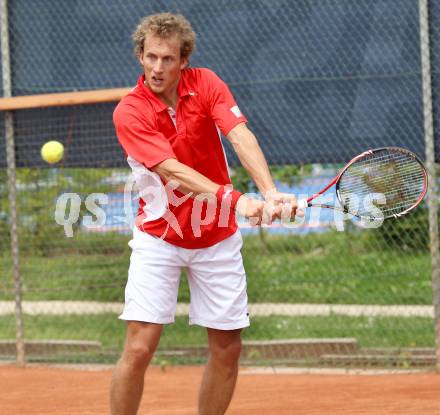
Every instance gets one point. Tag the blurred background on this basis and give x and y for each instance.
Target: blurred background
(319, 82)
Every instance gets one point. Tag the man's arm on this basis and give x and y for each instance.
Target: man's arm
(188, 179)
(252, 158)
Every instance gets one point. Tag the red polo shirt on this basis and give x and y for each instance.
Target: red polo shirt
(149, 135)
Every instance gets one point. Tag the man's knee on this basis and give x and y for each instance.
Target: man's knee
(141, 343)
(226, 349)
(138, 354)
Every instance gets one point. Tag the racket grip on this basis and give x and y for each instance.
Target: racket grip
(302, 204)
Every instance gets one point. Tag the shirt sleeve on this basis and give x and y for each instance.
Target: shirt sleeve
(140, 138)
(223, 108)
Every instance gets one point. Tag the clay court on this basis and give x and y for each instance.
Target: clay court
(50, 391)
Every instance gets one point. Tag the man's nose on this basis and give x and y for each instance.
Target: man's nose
(158, 66)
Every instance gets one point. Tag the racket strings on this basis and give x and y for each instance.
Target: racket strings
(396, 175)
(413, 182)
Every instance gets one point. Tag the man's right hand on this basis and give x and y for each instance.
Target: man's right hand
(257, 211)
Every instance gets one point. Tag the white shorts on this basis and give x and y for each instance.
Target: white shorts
(216, 278)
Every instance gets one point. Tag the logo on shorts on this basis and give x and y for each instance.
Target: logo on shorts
(236, 111)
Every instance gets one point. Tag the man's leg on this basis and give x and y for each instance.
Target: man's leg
(221, 372)
(128, 378)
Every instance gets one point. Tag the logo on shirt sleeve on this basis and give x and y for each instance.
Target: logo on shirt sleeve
(236, 111)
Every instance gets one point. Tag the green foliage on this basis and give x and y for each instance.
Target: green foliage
(291, 173)
(241, 181)
(37, 193)
(287, 174)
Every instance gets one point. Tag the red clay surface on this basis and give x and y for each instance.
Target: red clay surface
(46, 390)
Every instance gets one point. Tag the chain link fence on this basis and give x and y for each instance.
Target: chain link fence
(320, 82)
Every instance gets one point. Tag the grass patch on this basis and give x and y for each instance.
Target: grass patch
(334, 267)
(107, 329)
(369, 331)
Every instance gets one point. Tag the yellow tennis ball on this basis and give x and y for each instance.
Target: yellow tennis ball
(52, 152)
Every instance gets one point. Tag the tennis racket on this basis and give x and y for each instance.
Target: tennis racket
(383, 183)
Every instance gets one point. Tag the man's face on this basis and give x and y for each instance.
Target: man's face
(162, 64)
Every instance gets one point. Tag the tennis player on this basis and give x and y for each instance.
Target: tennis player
(169, 127)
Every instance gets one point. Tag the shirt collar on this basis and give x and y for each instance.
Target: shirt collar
(158, 105)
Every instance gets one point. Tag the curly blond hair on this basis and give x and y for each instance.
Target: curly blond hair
(165, 25)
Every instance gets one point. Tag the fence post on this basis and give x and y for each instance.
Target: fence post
(11, 173)
(430, 165)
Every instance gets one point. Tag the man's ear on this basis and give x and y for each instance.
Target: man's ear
(184, 64)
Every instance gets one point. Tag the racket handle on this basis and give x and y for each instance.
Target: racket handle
(302, 204)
